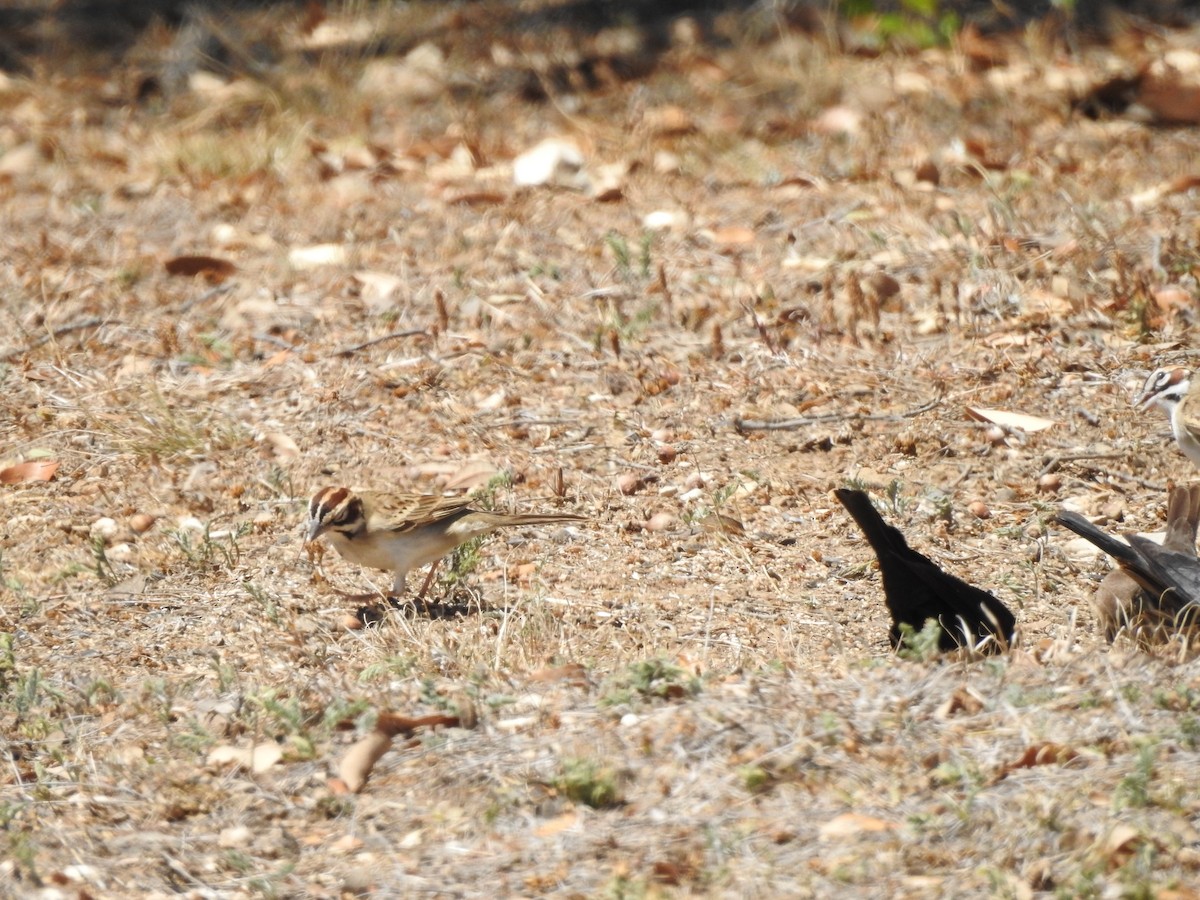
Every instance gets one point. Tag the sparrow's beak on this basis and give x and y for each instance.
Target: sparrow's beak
(314, 530)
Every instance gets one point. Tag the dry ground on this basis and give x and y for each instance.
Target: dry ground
(664, 702)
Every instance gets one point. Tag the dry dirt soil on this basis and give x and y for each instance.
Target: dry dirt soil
(760, 267)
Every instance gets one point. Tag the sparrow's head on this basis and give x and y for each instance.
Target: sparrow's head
(1164, 388)
(335, 509)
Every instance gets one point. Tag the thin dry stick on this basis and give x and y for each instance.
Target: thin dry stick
(507, 423)
(207, 295)
(395, 335)
(788, 424)
(761, 328)
(55, 335)
(1053, 462)
(1122, 476)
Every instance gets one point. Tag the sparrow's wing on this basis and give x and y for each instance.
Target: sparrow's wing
(1178, 574)
(401, 512)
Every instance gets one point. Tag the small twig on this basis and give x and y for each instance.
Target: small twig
(507, 423)
(788, 424)
(177, 867)
(395, 335)
(577, 448)
(1141, 482)
(629, 464)
(54, 335)
(265, 338)
(1053, 462)
(761, 328)
(207, 295)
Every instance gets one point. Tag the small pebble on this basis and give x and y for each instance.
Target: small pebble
(995, 435)
(104, 528)
(628, 483)
(979, 509)
(236, 836)
(1050, 483)
(666, 454)
(141, 522)
(660, 521)
(121, 552)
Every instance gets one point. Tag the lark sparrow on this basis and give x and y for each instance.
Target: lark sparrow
(1171, 389)
(1160, 587)
(398, 532)
(1119, 601)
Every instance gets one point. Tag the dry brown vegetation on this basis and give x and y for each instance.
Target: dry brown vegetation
(692, 694)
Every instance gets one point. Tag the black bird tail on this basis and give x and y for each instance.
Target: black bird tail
(1118, 550)
(880, 535)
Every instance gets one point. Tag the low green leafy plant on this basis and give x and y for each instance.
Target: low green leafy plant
(651, 679)
(587, 782)
(920, 646)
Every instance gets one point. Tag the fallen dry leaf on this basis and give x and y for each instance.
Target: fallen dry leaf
(668, 121)
(257, 757)
(839, 120)
(212, 268)
(394, 724)
(356, 765)
(574, 673)
(557, 825)
(961, 701)
(1174, 299)
(555, 161)
(32, 470)
(718, 523)
(1173, 98)
(1151, 196)
(729, 236)
(1007, 419)
(360, 759)
(476, 198)
(20, 160)
(378, 289)
(1046, 753)
(1120, 844)
(474, 473)
(318, 255)
(849, 824)
(283, 447)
